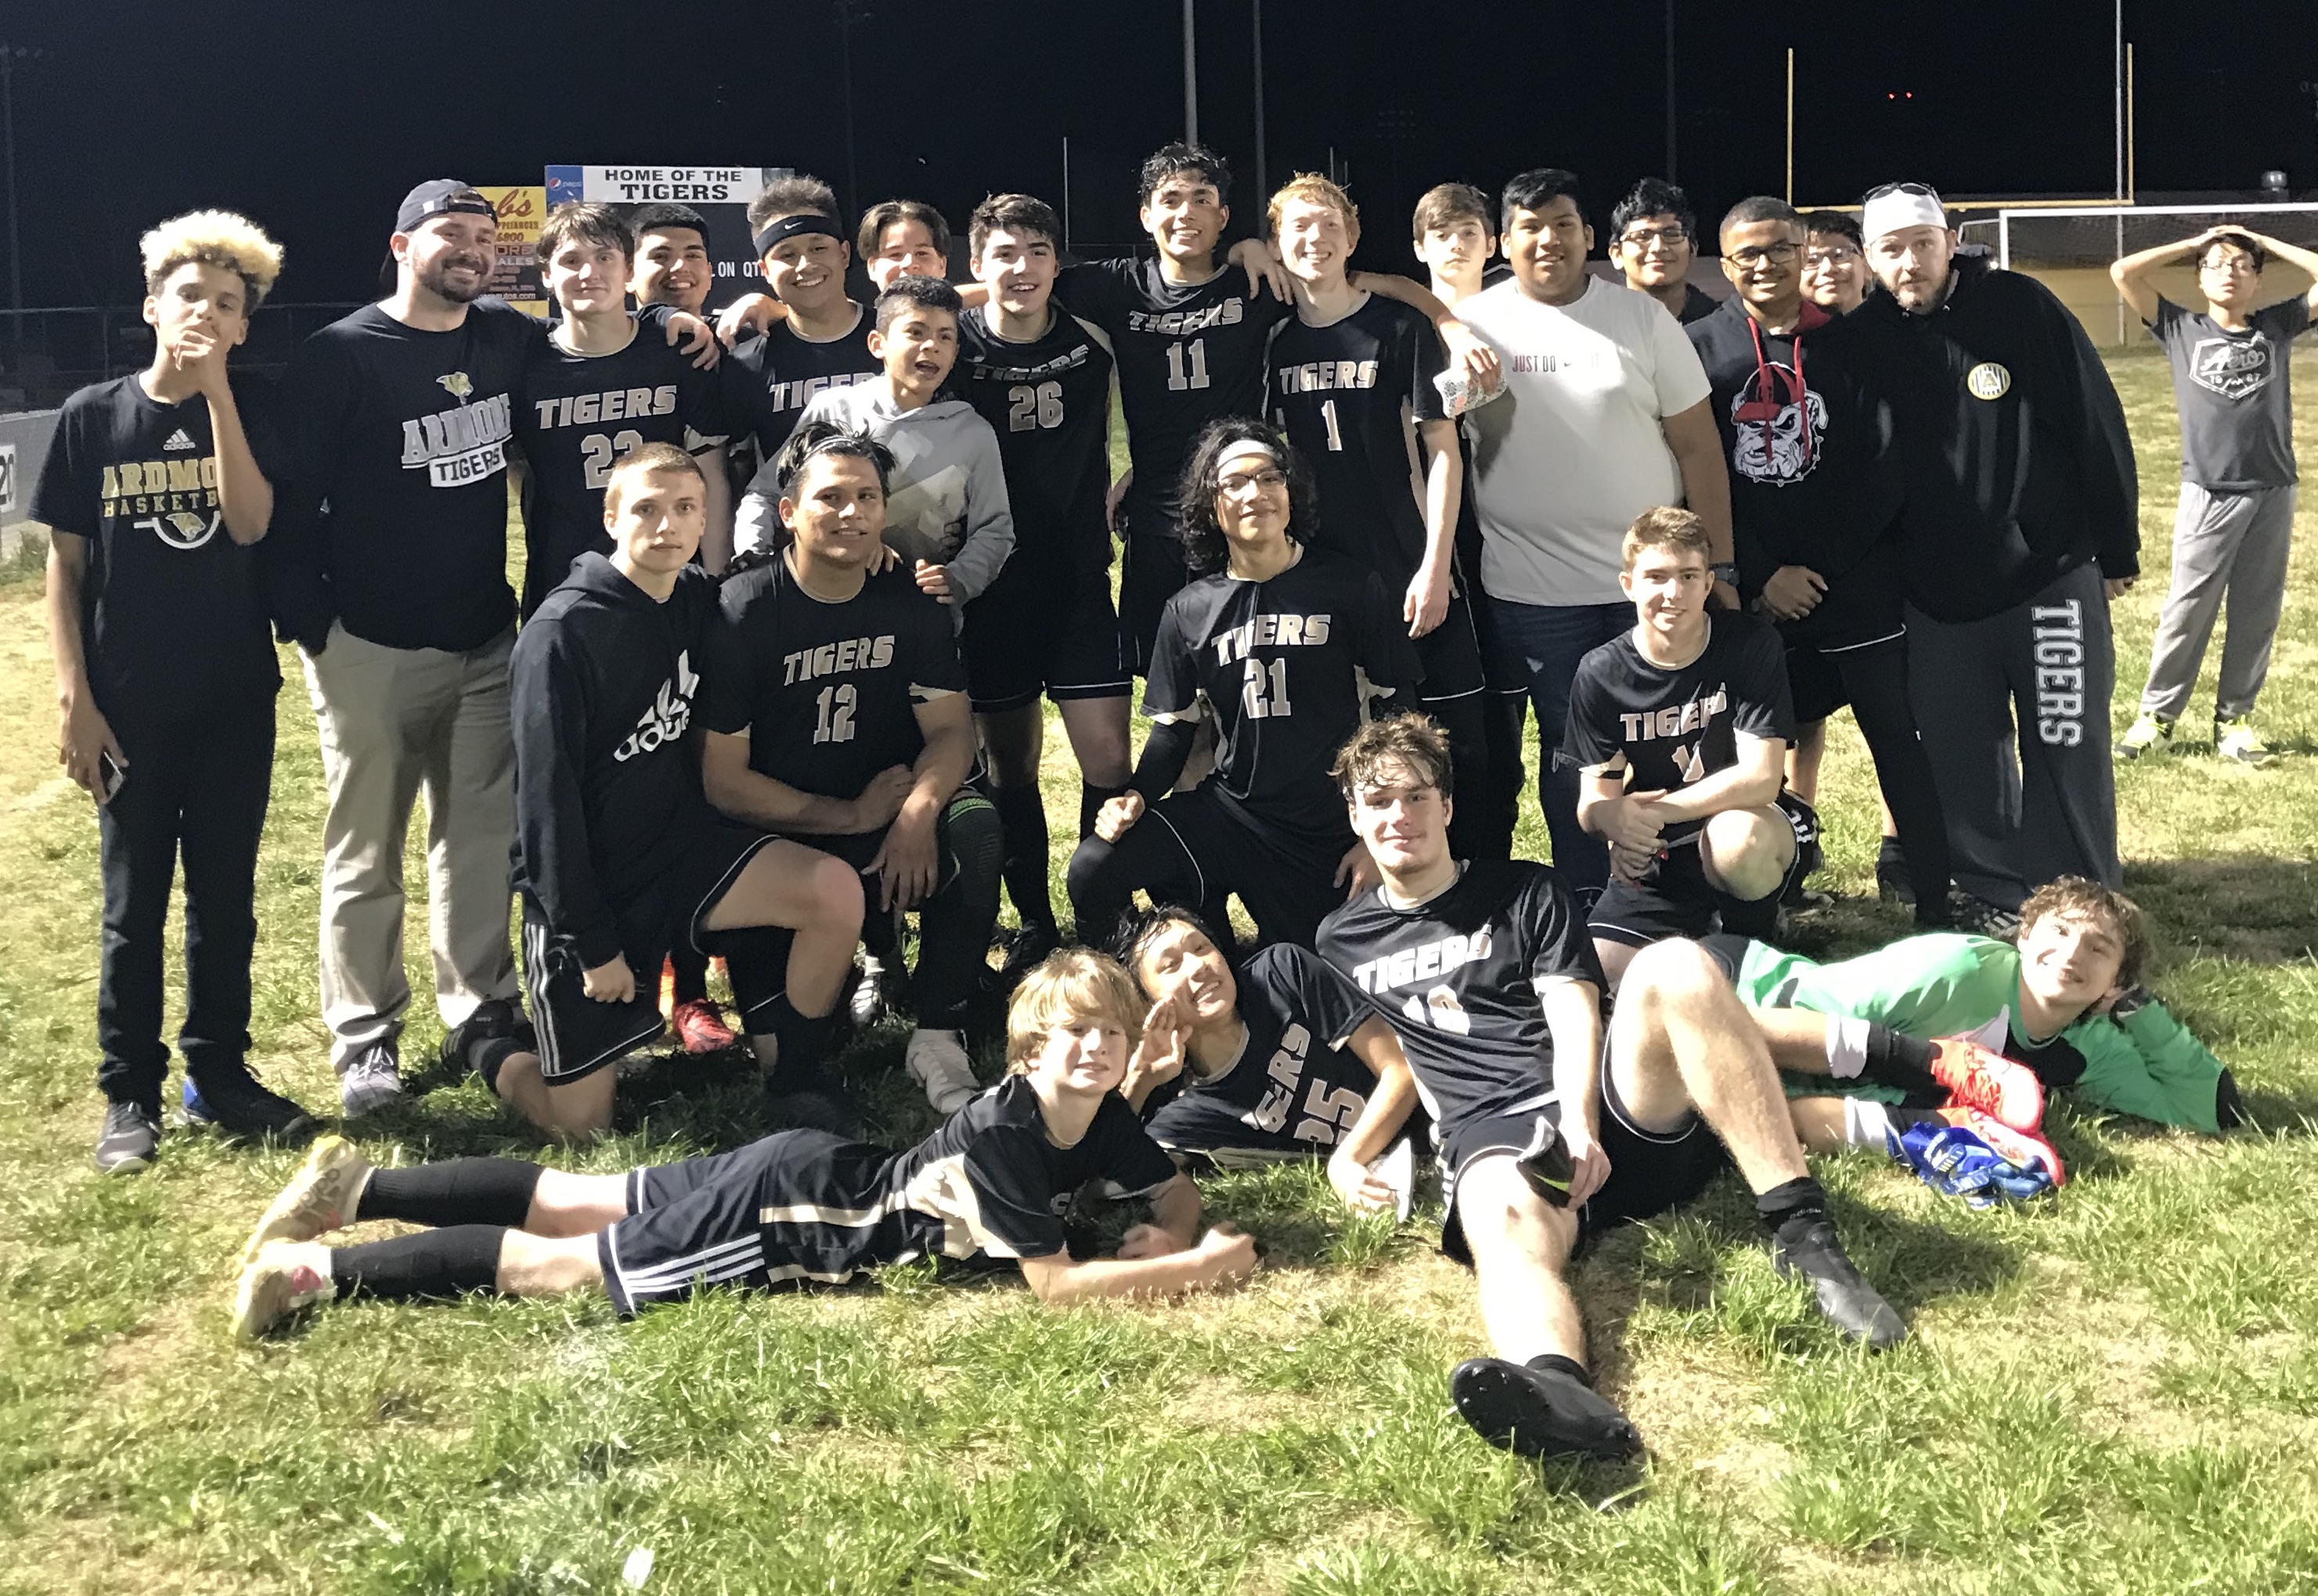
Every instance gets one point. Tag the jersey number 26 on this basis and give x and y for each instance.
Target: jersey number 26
(1028, 409)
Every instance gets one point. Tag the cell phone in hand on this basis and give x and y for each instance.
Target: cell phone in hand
(1546, 1164)
(109, 775)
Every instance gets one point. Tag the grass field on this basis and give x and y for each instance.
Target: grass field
(2116, 1391)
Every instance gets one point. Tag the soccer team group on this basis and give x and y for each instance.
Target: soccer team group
(796, 585)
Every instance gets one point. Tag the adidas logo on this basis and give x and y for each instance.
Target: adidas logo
(178, 440)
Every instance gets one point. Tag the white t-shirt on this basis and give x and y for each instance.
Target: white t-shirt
(1572, 452)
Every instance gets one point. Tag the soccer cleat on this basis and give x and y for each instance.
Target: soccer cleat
(372, 1079)
(2028, 1150)
(937, 1061)
(1539, 1413)
(494, 1019)
(319, 1199)
(1809, 1249)
(868, 998)
(129, 1141)
(1977, 917)
(700, 1025)
(2147, 732)
(275, 1284)
(1977, 1078)
(2238, 741)
(238, 1104)
(1893, 884)
(1024, 951)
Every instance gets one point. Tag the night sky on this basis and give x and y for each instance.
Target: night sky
(315, 118)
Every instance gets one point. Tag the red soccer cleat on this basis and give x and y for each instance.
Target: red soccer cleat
(2025, 1148)
(1977, 1078)
(700, 1025)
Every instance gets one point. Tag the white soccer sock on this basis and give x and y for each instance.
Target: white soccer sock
(1847, 1047)
(1865, 1124)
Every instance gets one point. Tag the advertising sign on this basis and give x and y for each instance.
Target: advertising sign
(518, 278)
(720, 193)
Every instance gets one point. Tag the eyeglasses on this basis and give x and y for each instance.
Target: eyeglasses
(1923, 189)
(1641, 239)
(1262, 482)
(1748, 259)
(1835, 254)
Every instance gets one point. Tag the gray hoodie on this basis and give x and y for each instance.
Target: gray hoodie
(947, 502)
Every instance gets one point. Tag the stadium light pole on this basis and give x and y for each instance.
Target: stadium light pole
(845, 68)
(1263, 184)
(1190, 74)
(2116, 72)
(1669, 90)
(9, 54)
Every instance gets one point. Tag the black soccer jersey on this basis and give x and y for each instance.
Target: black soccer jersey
(1676, 726)
(1345, 394)
(389, 492)
(1457, 975)
(791, 370)
(1293, 1089)
(172, 614)
(827, 692)
(1187, 354)
(1049, 402)
(1280, 664)
(991, 1181)
(576, 415)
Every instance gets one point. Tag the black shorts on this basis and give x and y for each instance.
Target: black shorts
(1045, 632)
(577, 1034)
(1451, 654)
(1676, 900)
(1288, 889)
(1153, 572)
(1651, 1173)
(1815, 674)
(793, 1207)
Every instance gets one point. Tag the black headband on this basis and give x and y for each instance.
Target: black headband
(789, 227)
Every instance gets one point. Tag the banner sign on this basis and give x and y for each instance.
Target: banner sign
(518, 279)
(720, 193)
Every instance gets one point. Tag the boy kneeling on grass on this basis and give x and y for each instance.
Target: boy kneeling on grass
(796, 1205)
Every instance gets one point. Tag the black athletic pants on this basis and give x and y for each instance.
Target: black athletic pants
(2015, 716)
(1872, 679)
(195, 789)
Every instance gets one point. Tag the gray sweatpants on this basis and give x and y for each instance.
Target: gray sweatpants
(2227, 547)
(397, 724)
(2031, 798)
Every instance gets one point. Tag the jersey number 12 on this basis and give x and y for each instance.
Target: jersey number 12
(836, 719)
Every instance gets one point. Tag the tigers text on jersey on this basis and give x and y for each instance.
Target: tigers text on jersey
(1280, 664)
(1458, 974)
(1680, 726)
(577, 414)
(1345, 393)
(790, 370)
(1187, 353)
(827, 693)
(607, 791)
(172, 609)
(1048, 401)
(1293, 1089)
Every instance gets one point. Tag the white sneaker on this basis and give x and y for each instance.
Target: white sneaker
(371, 1080)
(869, 1000)
(937, 1061)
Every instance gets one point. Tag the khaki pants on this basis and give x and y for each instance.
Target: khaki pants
(395, 723)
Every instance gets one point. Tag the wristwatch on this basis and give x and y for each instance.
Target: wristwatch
(1726, 571)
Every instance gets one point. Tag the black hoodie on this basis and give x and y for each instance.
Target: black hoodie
(2018, 465)
(1815, 480)
(607, 785)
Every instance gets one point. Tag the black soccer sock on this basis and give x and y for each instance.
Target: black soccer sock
(460, 1191)
(1022, 819)
(1792, 1204)
(1092, 799)
(1890, 852)
(1896, 1059)
(689, 966)
(954, 925)
(433, 1263)
(803, 1040)
(1554, 1363)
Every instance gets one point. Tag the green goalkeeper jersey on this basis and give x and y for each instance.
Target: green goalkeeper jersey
(2144, 1063)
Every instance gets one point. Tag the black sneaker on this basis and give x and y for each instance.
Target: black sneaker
(1979, 918)
(1893, 884)
(1539, 1413)
(1810, 1249)
(1024, 950)
(130, 1139)
(496, 1021)
(813, 1101)
(237, 1103)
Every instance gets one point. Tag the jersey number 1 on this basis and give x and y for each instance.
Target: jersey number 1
(1328, 415)
(1264, 693)
(836, 719)
(1199, 376)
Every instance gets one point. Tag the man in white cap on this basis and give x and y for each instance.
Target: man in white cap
(2020, 528)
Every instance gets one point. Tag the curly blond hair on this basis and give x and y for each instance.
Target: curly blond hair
(221, 238)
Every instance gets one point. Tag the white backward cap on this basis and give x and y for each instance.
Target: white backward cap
(1911, 205)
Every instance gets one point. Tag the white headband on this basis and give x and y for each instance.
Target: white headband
(1900, 208)
(1245, 446)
